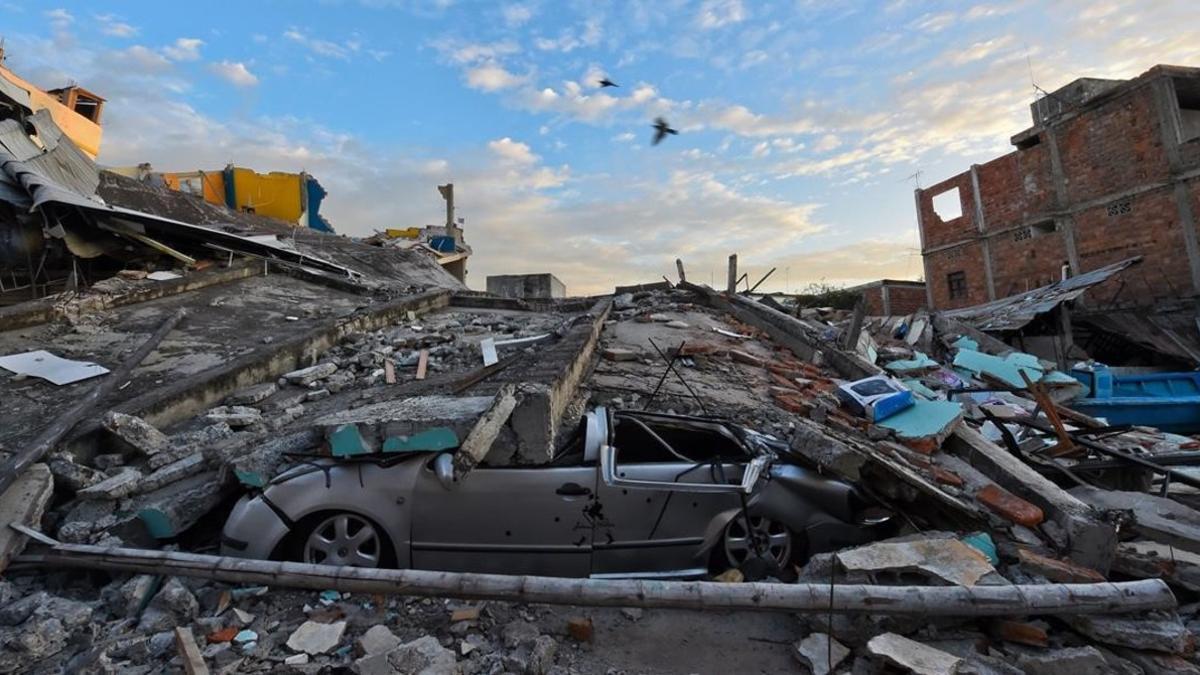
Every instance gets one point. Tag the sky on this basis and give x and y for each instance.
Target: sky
(804, 125)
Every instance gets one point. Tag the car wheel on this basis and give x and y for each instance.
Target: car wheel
(744, 540)
(341, 538)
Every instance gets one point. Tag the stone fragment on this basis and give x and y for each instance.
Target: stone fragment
(23, 503)
(108, 461)
(820, 653)
(1157, 631)
(252, 395)
(377, 640)
(742, 357)
(296, 660)
(136, 432)
(1020, 632)
(620, 354)
(175, 471)
(119, 485)
(541, 655)
(464, 614)
(306, 376)
(677, 324)
(633, 613)
(70, 474)
(1060, 571)
(423, 656)
(236, 416)
(912, 655)
(316, 638)
(661, 318)
(947, 560)
(1010, 506)
(1075, 660)
(517, 633)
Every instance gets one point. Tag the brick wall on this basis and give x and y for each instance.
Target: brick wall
(1119, 200)
(902, 299)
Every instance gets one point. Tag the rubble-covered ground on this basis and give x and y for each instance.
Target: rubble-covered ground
(960, 526)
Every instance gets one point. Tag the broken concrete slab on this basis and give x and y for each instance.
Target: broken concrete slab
(1157, 518)
(1155, 560)
(121, 484)
(23, 503)
(934, 420)
(136, 433)
(377, 422)
(175, 471)
(620, 354)
(1157, 631)
(251, 395)
(912, 655)
(478, 443)
(306, 376)
(1075, 660)
(236, 416)
(820, 653)
(316, 638)
(947, 560)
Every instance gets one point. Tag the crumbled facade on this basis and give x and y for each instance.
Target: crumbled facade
(1106, 172)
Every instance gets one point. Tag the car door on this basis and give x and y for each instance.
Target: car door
(646, 531)
(506, 521)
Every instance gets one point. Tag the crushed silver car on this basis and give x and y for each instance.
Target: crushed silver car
(632, 494)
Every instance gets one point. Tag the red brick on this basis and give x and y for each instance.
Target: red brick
(925, 446)
(742, 357)
(223, 635)
(1010, 506)
(1061, 571)
(581, 628)
(946, 476)
(1020, 633)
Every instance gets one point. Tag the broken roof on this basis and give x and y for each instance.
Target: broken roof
(1015, 311)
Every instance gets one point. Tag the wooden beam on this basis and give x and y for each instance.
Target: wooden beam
(921, 601)
(764, 278)
(67, 419)
(161, 248)
(422, 363)
(189, 653)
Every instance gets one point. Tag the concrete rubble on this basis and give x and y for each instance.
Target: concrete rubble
(997, 483)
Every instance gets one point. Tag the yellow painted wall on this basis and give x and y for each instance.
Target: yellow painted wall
(210, 184)
(275, 194)
(84, 132)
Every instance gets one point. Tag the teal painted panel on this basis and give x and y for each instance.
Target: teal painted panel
(250, 478)
(1007, 370)
(346, 441)
(965, 342)
(918, 362)
(430, 440)
(157, 523)
(923, 419)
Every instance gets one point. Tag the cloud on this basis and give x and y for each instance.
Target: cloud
(457, 51)
(184, 49)
(59, 18)
(982, 50)
(720, 13)
(137, 60)
(343, 51)
(516, 15)
(491, 77)
(569, 40)
(234, 72)
(827, 142)
(512, 151)
(112, 26)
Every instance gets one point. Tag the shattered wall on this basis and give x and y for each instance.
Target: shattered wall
(1099, 182)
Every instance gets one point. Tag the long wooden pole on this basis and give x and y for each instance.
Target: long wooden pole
(64, 422)
(1047, 599)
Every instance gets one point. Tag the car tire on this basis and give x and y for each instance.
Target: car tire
(732, 550)
(343, 534)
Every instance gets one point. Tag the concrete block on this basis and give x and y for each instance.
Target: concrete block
(136, 433)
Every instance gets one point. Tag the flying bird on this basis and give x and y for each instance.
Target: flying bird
(661, 129)
(605, 82)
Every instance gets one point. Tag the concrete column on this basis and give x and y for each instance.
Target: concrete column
(887, 301)
(981, 226)
(1062, 201)
(731, 285)
(924, 256)
(1167, 103)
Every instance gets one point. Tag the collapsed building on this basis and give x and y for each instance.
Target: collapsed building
(142, 408)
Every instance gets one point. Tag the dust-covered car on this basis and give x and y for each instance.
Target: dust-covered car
(632, 494)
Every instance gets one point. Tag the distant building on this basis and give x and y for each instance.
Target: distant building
(74, 109)
(892, 297)
(526, 286)
(1110, 169)
(291, 197)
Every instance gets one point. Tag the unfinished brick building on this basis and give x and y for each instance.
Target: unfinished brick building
(892, 297)
(1110, 169)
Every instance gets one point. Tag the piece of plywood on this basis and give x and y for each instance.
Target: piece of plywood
(389, 372)
(23, 503)
(488, 347)
(422, 364)
(52, 368)
(189, 652)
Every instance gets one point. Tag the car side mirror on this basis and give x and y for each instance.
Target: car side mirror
(443, 468)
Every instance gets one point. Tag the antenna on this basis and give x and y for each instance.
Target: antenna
(915, 178)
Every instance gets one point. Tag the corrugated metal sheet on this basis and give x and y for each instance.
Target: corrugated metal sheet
(64, 176)
(1016, 311)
